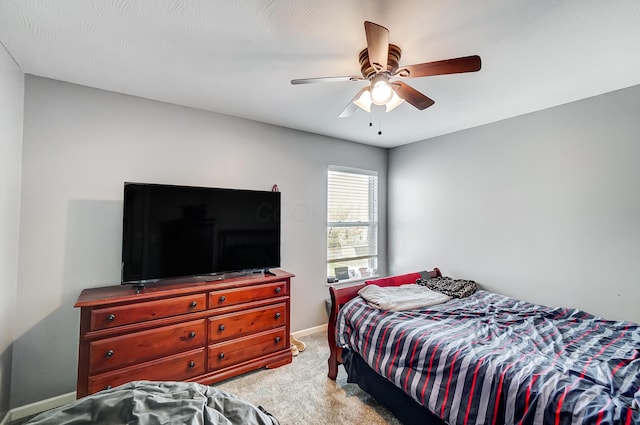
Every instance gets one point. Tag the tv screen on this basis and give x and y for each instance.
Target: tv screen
(183, 231)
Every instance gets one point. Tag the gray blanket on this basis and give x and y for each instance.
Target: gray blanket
(155, 403)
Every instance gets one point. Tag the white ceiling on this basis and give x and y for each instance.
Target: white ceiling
(237, 57)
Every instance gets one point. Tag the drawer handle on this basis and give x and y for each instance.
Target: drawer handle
(221, 327)
(111, 318)
(193, 304)
(277, 339)
(192, 334)
(108, 354)
(222, 298)
(278, 290)
(277, 315)
(221, 355)
(192, 364)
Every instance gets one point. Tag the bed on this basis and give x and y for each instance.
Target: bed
(486, 359)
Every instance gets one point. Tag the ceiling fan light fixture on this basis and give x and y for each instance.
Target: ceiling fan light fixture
(364, 100)
(381, 91)
(394, 102)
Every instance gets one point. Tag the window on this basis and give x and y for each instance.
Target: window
(352, 222)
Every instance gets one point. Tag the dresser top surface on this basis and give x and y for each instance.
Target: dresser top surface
(129, 293)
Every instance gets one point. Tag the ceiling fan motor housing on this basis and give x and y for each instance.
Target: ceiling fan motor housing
(368, 71)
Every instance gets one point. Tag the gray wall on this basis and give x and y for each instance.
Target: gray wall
(11, 109)
(81, 144)
(544, 207)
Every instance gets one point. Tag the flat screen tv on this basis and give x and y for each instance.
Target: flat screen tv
(185, 232)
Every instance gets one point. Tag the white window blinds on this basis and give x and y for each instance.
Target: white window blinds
(352, 222)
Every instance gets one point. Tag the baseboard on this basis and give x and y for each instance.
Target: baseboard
(40, 406)
(310, 331)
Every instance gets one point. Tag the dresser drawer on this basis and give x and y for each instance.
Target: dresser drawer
(110, 353)
(227, 326)
(179, 367)
(103, 318)
(227, 297)
(233, 352)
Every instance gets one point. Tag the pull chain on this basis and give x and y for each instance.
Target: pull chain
(379, 115)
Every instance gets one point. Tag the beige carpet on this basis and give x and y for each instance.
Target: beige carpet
(301, 393)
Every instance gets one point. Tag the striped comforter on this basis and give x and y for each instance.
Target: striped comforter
(491, 359)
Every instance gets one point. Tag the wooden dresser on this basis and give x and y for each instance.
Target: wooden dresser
(195, 331)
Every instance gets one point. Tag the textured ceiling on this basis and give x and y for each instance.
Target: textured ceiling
(237, 57)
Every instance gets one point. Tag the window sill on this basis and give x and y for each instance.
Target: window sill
(354, 281)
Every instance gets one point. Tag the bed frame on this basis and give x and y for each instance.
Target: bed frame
(339, 297)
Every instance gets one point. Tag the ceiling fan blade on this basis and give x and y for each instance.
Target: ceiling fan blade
(324, 80)
(447, 66)
(377, 45)
(351, 108)
(412, 95)
(348, 110)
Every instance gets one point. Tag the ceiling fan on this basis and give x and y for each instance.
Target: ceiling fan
(379, 64)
